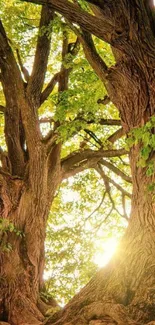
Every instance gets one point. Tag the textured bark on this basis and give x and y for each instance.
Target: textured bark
(29, 177)
(21, 269)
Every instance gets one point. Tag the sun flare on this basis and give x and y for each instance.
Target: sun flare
(103, 257)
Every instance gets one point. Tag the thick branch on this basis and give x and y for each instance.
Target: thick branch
(47, 91)
(67, 48)
(92, 55)
(145, 15)
(116, 135)
(76, 158)
(113, 25)
(101, 121)
(23, 69)
(99, 27)
(13, 88)
(18, 107)
(91, 163)
(63, 78)
(36, 82)
(50, 140)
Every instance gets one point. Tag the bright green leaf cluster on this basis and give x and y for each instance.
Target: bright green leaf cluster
(7, 227)
(145, 137)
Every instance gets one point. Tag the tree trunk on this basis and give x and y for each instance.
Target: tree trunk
(26, 206)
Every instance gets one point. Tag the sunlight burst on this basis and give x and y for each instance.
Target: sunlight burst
(109, 248)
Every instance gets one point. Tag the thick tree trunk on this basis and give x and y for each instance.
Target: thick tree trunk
(25, 205)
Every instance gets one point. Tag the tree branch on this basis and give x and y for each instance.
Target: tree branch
(19, 110)
(116, 135)
(94, 59)
(23, 69)
(46, 120)
(68, 171)
(2, 108)
(101, 121)
(36, 81)
(109, 122)
(94, 137)
(104, 101)
(91, 53)
(102, 28)
(107, 180)
(124, 207)
(76, 158)
(49, 88)
(62, 75)
(116, 170)
(113, 138)
(119, 187)
(64, 72)
(13, 89)
(50, 140)
(97, 208)
(112, 24)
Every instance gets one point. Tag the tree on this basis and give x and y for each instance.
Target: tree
(32, 168)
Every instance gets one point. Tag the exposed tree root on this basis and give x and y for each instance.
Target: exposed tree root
(24, 312)
(44, 306)
(97, 313)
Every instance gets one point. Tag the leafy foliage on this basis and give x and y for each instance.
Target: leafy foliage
(75, 235)
(5, 228)
(146, 138)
